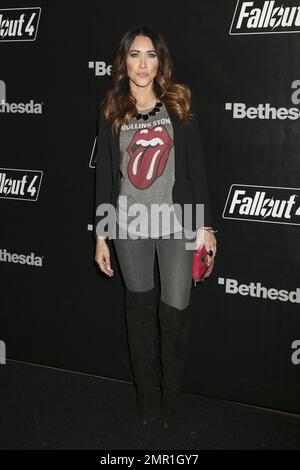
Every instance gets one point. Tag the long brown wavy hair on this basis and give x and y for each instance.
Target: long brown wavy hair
(119, 105)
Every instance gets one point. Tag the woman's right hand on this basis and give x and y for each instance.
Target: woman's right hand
(102, 257)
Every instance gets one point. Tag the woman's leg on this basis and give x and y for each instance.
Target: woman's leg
(175, 265)
(136, 259)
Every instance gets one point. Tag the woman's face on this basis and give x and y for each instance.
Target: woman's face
(142, 61)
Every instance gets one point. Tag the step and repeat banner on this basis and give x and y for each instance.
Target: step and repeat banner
(57, 308)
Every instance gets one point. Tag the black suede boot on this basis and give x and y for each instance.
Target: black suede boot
(141, 309)
(175, 328)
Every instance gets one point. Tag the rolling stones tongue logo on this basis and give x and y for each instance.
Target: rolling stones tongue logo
(149, 151)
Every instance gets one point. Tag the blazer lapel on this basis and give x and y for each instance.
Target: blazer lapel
(115, 148)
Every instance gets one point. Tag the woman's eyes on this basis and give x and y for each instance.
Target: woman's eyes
(134, 54)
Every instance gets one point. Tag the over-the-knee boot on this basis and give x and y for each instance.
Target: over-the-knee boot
(175, 328)
(141, 309)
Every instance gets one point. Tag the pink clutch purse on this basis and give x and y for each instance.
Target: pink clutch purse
(200, 268)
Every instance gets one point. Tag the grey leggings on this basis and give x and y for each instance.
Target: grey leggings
(136, 259)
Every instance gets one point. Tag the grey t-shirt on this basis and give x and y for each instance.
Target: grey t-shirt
(147, 165)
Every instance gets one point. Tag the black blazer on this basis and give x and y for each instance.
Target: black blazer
(190, 177)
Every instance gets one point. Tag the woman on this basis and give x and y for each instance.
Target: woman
(149, 153)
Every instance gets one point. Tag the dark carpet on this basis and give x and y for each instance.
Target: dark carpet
(48, 408)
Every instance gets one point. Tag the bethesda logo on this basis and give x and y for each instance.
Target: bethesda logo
(20, 258)
(263, 204)
(265, 18)
(28, 108)
(255, 289)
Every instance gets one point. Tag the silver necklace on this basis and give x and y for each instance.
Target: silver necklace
(153, 111)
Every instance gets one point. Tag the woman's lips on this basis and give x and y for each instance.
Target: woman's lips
(143, 75)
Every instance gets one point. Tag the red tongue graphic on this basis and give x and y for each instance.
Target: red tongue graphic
(148, 157)
(144, 161)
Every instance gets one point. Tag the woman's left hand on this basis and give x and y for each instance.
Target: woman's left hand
(209, 240)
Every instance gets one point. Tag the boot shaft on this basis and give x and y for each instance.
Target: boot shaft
(175, 327)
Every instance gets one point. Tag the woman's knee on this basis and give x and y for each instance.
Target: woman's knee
(133, 287)
(176, 302)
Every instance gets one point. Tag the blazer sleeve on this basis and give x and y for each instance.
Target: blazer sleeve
(196, 164)
(103, 171)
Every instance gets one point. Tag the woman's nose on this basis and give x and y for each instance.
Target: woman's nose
(143, 62)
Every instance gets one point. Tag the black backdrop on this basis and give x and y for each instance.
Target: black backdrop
(60, 310)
